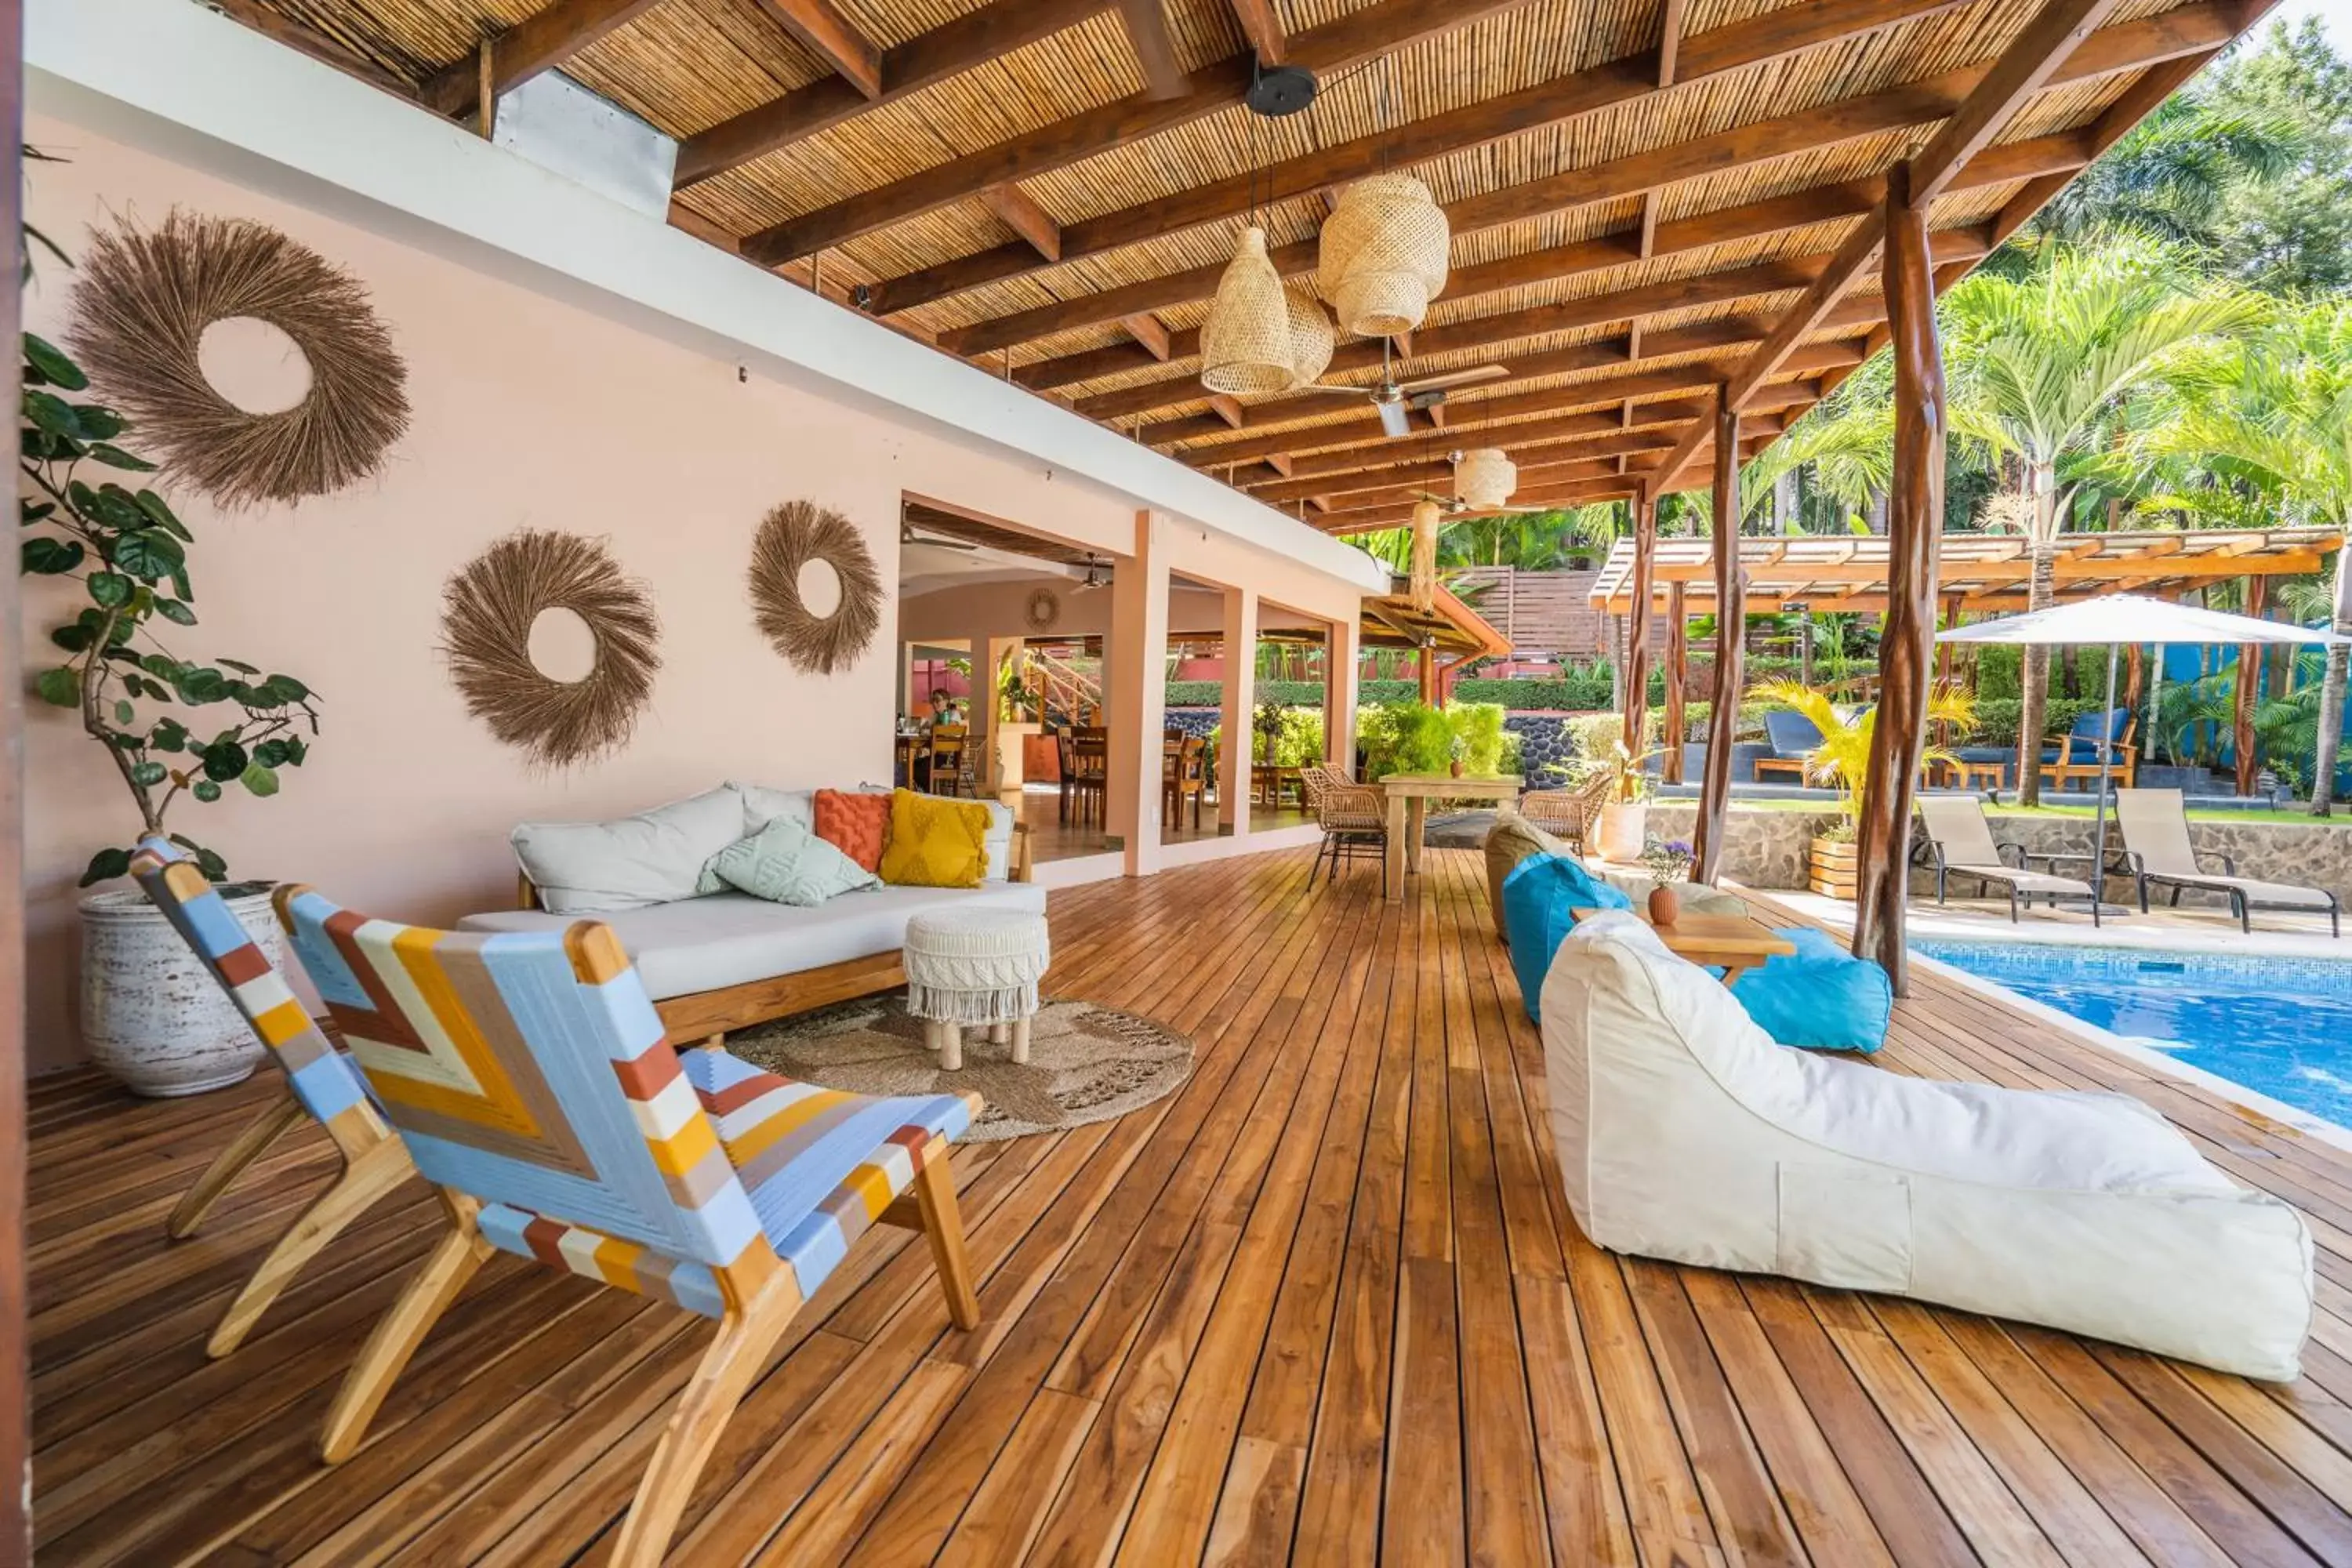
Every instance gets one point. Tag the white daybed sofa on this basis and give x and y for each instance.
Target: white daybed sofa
(717, 961)
(1686, 1133)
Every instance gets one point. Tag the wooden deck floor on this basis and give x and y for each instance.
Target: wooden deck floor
(1322, 1305)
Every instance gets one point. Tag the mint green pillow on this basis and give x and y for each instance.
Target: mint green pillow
(786, 863)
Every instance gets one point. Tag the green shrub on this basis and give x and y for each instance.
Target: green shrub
(1998, 718)
(1479, 727)
(1403, 738)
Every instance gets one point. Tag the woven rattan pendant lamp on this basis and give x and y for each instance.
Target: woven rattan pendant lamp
(1245, 342)
(1383, 255)
(1312, 336)
(1483, 477)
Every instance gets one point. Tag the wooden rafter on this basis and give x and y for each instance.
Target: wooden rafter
(1922, 102)
(1020, 213)
(834, 39)
(1155, 48)
(1335, 46)
(950, 49)
(2023, 68)
(540, 42)
(1150, 331)
(1262, 26)
(1556, 103)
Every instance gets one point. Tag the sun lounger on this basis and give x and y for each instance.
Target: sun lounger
(1960, 840)
(2155, 824)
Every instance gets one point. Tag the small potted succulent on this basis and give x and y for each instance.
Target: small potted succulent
(150, 1014)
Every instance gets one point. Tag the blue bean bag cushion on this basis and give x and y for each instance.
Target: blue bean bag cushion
(1820, 998)
(1541, 899)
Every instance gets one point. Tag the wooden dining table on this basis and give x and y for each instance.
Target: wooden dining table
(1409, 796)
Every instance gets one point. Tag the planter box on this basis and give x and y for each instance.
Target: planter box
(1834, 866)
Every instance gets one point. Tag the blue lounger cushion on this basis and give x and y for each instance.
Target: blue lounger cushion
(1541, 900)
(1820, 998)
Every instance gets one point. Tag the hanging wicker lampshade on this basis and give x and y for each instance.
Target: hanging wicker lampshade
(1311, 335)
(1427, 517)
(1383, 255)
(1245, 342)
(1485, 477)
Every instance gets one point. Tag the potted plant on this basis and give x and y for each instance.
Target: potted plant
(1668, 862)
(1456, 750)
(150, 1015)
(1843, 760)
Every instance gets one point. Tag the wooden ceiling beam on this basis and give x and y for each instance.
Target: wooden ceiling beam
(1580, 492)
(1496, 330)
(1404, 492)
(950, 49)
(1019, 212)
(2029, 63)
(1335, 46)
(1150, 332)
(1589, 430)
(539, 42)
(1155, 48)
(1472, 125)
(1903, 107)
(833, 38)
(1262, 27)
(1670, 42)
(1557, 459)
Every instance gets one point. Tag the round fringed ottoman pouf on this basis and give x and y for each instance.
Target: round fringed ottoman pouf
(975, 968)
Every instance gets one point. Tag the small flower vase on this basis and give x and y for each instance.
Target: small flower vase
(1665, 905)
(1457, 767)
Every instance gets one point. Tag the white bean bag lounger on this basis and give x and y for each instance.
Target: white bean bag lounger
(1686, 1133)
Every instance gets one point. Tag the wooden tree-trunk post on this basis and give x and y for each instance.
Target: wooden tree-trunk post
(2134, 679)
(1730, 625)
(2249, 692)
(1425, 670)
(1914, 526)
(1637, 622)
(1677, 681)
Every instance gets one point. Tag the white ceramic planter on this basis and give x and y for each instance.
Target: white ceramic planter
(1624, 828)
(151, 1014)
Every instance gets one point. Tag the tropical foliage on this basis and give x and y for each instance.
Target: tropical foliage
(1841, 760)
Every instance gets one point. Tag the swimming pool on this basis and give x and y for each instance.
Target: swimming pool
(2279, 1025)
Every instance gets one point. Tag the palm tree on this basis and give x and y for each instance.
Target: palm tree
(2278, 403)
(2038, 359)
(2172, 173)
(1851, 452)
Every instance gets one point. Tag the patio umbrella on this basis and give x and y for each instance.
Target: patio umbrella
(2118, 620)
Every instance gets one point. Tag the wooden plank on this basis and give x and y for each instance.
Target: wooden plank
(1262, 25)
(2030, 62)
(833, 37)
(1013, 206)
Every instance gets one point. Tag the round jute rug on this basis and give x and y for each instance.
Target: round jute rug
(1086, 1063)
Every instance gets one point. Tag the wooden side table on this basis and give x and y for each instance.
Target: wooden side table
(1735, 943)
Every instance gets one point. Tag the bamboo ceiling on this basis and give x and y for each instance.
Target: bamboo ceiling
(1650, 199)
(1975, 572)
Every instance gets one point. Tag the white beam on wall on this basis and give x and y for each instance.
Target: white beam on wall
(187, 84)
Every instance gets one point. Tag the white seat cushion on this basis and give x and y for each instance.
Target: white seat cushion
(732, 939)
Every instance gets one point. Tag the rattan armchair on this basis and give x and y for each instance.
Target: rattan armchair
(1565, 813)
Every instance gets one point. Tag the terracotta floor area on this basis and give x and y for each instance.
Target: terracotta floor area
(1321, 1305)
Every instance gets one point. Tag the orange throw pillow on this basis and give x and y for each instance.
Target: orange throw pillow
(856, 823)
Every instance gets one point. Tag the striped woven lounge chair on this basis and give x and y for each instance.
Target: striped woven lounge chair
(531, 1079)
(319, 1084)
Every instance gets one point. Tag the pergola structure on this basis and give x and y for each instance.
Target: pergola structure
(1648, 199)
(1976, 574)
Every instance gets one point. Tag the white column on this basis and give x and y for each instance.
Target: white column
(1240, 708)
(1136, 692)
(1341, 653)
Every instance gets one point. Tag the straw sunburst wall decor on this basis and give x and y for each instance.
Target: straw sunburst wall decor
(790, 537)
(140, 309)
(486, 612)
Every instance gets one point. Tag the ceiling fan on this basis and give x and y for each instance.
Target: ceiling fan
(1095, 577)
(1392, 399)
(906, 535)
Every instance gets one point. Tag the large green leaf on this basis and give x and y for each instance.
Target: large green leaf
(106, 865)
(109, 589)
(60, 687)
(114, 457)
(226, 760)
(51, 556)
(53, 416)
(55, 368)
(148, 774)
(261, 780)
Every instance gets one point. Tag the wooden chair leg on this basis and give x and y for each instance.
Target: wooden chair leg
(403, 1329)
(369, 1177)
(230, 1163)
(943, 1226)
(734, 1361)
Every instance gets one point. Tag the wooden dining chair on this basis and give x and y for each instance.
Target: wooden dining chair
(1090, 757)
(531, 1079)
(319, 1084)
(1186, 779)
(950, 761)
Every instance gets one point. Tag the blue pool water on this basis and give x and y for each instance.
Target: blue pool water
(2280, 1025)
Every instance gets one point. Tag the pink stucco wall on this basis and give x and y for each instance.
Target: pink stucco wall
(528, 412)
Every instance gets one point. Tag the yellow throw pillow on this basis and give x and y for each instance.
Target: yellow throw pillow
(934, 842)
